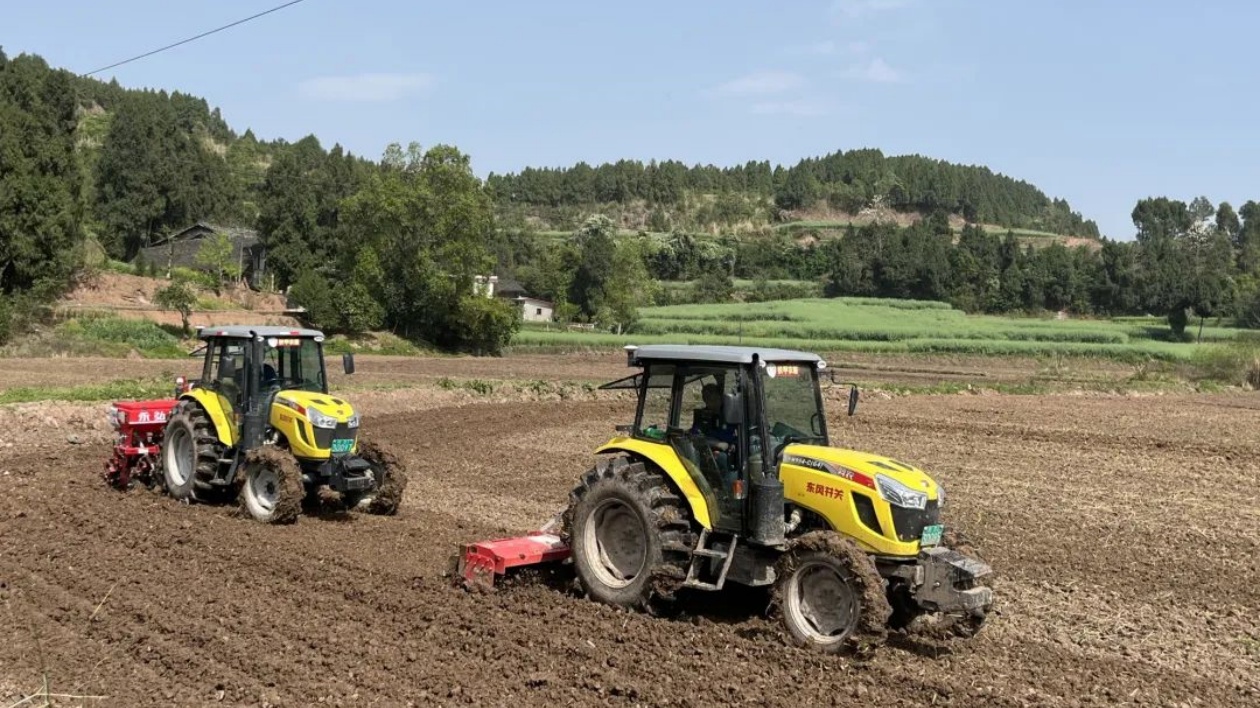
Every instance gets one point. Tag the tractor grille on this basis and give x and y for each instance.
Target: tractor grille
(910, 522)
(324, 436)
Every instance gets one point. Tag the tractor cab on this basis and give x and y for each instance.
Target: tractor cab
(728, 413)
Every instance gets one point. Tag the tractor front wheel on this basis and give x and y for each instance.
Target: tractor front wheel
(390, 477)
(629, 533)
(830, 595)
(271, 486)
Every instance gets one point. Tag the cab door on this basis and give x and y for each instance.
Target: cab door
(711, 443)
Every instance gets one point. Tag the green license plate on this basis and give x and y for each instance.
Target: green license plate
(342, 445)
(931, 535)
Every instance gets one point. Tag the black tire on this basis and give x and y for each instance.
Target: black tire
(630, 536)
(190, 453)
(391, 481)
(270, 487)
(830, 596)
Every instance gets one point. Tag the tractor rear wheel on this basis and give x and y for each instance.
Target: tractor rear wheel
(190, 453)
(830, 595)
(391, 480)
(271, 488)
(629, 534)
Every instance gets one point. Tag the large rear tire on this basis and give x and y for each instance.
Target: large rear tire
(271, 488)
(391, 481)
(629, 534)
(830, 595)
(190, 453)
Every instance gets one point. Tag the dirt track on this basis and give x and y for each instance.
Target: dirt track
(1126, 532)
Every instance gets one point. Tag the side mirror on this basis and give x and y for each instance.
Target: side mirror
(733, 409)
(347, 362)
(853, 399)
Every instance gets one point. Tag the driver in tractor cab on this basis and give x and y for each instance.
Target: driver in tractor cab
(721, 437)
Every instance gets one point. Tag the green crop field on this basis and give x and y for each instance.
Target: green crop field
(878, 325)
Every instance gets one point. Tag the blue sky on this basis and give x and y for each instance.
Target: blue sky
(1098, 102)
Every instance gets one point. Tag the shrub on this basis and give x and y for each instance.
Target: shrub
(6, 320)
(180, 297)
(484, 325)
(1236, 363)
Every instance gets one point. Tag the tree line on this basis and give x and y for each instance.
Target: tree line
(1189, 259)
(844, 181)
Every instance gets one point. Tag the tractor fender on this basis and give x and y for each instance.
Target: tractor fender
(218, 408)
(664, 457)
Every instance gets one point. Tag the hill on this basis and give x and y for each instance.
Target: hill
(842, 187)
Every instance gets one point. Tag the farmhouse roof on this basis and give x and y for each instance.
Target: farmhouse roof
(243, 234)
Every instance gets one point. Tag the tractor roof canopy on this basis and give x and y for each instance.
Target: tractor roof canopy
(251, 331)
(715, 354)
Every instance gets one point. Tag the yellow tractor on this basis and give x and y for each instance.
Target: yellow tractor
(260, 426)
(726, 475)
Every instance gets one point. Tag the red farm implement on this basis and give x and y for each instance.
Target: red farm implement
(138, 427)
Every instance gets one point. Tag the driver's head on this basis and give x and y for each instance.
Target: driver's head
(712, 397)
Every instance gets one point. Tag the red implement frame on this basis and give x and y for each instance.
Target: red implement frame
(480, 562)
(138, 429)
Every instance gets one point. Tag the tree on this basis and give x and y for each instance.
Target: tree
(628, 287)
(216, 255)
(153, 177)
(181, 298)
(1247, 243)
(1186, 260)
(596, 261)
(423, 224)
(40, 219)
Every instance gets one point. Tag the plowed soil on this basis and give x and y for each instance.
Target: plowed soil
(1125, 532)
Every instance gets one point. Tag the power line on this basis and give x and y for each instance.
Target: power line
(192, 39)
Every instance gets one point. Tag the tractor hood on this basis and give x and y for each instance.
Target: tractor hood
(322, 403)
(861, 467)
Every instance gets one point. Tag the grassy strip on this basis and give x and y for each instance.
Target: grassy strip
(1129, 352)
(121, 390)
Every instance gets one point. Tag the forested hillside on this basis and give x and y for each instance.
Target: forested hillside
(673, 195)
(90, 171)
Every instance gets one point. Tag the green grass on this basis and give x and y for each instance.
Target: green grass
(103, 335)
(130, 389)
(875, 325)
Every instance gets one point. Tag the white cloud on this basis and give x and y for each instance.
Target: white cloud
(859, 47)
(761, 83)
(800, 108)
(365, 87)
(855, 9)
(875, 71)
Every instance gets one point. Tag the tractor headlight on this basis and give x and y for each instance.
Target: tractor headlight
(354, 421)
(320, 420)
(940, 495)
(898, 494)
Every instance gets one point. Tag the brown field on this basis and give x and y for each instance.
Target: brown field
(1125, 531)
(373, 370)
